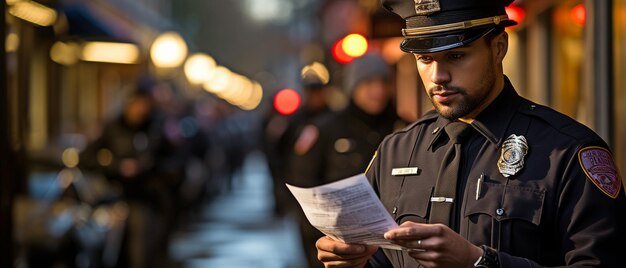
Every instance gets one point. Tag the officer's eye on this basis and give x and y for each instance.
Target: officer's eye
(455, 56)
(424, 58)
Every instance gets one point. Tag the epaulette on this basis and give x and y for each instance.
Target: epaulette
(560, 122)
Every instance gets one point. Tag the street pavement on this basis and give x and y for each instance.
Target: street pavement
(239, 229)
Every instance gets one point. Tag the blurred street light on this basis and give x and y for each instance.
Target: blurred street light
(349, 47)
(70, 157)
(33, 12)
(269, 10)
(123, 53)
(12, 42)
(64, 53)
(354, 45)
(199, 68)
(169, 50)
(219, 80)
(254, 99)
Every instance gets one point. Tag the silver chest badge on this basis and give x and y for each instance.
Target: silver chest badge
(514, 150)
(426, 7)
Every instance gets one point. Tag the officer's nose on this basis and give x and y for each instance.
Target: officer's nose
(439, 74)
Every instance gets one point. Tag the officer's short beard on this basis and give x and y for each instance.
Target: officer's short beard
(466, 103)
(460, 109)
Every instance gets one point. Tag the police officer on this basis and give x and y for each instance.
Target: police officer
(282, 131)
(487, 179)
(340, 144)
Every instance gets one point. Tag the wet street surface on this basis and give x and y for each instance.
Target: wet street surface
(238, 229)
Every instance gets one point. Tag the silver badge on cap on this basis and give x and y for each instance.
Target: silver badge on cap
(514, 150)
(426, 7)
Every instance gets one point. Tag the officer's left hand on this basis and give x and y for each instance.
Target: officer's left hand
(436, 245)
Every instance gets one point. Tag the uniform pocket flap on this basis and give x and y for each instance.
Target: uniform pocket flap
(413, 204)
(518, 202)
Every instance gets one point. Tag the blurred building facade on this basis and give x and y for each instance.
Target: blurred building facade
(569, 55)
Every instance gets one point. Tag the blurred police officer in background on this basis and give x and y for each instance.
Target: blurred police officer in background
(282, 131)
(487, 179)
(339, 145)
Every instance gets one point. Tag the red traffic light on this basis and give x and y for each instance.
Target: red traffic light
(287, 101)
(579, 14)
(516, 13)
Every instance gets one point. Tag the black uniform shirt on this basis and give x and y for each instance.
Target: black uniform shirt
(564, 207)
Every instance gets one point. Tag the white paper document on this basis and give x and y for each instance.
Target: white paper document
(347, 210)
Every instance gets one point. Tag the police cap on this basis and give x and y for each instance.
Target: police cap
(314, 76)
(437, 25)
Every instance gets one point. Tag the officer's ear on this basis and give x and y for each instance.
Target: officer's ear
(501, 45)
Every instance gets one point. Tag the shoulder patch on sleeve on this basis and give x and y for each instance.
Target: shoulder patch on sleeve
(306, 140)
(599, 167)
(371, 161)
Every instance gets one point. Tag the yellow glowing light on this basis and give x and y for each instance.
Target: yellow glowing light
(254, 99)
(33, 12)
(13, 2)
(12, 42)
(245, 92)
(239, 90)
(219, 80)
(354, 45)
(70, 157)
(199, 68)
(234, 87)
(169, 50)
(64, 53)
(110, 52)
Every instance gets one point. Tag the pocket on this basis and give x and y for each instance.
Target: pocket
(506, 217)
(516, 202)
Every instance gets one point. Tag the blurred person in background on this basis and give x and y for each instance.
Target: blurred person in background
(232, 140)
(281, 132)
(126, 153)
(181, 157)
(339, 145)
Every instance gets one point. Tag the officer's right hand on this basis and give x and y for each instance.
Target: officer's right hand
(337, 254)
